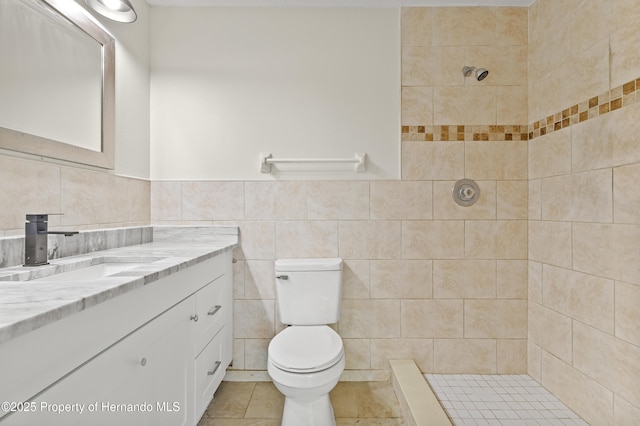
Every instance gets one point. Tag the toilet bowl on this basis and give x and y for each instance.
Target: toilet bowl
(305, 364)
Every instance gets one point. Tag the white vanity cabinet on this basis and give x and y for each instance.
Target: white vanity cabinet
(135, 382)
(153, 356)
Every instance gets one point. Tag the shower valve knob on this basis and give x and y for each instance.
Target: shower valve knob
(465, 192)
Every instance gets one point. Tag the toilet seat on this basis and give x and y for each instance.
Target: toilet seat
(306, 349)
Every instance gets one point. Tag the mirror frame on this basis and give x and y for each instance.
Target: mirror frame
(14, 140)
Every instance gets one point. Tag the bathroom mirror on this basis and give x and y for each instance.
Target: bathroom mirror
(57, 82)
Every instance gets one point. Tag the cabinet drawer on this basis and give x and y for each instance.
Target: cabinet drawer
(210, 369)
(211, 312)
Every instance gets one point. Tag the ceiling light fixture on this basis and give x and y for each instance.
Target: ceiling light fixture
(116, 10)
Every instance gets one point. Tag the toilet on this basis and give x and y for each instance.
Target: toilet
(306, 359)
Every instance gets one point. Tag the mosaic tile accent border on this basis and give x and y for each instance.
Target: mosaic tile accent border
(465, 133)
(596, 106)
(611, 100)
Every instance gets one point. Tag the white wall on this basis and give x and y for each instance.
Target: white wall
(230, 83)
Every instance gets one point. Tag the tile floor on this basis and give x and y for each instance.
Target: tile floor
(260, 404)
(471, 399)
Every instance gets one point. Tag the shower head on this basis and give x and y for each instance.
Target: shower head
(480, 73)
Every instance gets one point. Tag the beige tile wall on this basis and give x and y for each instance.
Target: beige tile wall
(438, 42)
(414, 285)
(89, 199)
(584, 228)
(453, 128)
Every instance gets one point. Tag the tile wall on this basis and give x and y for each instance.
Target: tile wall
(584, 225)
(89, 199)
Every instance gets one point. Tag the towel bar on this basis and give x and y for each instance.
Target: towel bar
(359, 161)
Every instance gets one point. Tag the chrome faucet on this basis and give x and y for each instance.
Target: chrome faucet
(35, 239)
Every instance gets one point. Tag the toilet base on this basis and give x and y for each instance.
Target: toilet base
(318, 412)
(306, 396)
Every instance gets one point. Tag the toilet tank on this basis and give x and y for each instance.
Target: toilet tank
(309, 291)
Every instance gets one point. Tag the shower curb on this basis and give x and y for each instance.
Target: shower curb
(419, 404)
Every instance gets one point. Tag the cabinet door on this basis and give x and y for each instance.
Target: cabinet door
(210, 310)
(143, 379)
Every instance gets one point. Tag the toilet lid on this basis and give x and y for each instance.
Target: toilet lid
(305, 348)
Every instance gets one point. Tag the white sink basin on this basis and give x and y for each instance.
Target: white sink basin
(84, 269)
(93, 272)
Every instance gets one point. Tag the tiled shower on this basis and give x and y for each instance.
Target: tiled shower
(540, 277)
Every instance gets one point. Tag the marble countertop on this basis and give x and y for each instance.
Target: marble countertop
(26, 305)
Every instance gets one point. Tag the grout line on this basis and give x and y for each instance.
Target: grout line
(246, 407)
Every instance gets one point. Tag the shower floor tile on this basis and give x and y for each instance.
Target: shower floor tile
(479, 399)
